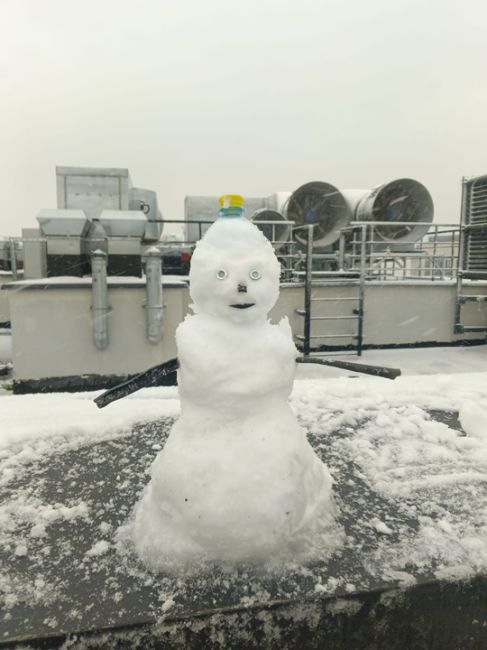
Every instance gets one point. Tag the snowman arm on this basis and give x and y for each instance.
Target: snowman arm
(162, 375)
(377, 371)
(165, 375)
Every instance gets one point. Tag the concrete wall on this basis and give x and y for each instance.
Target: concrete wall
(418, 313)
(4, 307)
(396, 313)
(52, 331)
(5, 278)
(52, 334)
(35, 251)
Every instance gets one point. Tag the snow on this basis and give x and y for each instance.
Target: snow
(86, 281)
(411, 361)
(73, 419)
(403, 466)
(236, 248)
(404, 282)
(98, 549)
(473, 418)
(237, 479)
(423, 466)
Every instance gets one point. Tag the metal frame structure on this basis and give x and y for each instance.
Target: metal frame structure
(472, 256)
(331, 277)
(361, 256)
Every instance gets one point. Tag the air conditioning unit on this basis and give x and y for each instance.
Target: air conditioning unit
(474, 220)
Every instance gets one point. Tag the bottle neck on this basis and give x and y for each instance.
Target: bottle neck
(231, 211)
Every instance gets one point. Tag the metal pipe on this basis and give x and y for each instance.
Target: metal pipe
(433, 261)
(457, 328)
(361, 222)
(13, 258)
(99, 299)
(360, 314)
(341, 252)
(307, 291)
(452, 254)
(153, 289)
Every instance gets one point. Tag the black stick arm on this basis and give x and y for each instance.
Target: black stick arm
(377, 371)
(165, 375)
(161, 375)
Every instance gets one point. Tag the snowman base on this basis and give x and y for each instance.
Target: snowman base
(239, 495)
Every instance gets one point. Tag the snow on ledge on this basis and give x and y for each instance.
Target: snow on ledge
(75, 282)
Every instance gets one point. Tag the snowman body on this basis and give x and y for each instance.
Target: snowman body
(237, 478)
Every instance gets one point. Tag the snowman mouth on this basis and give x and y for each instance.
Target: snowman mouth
(243, 305)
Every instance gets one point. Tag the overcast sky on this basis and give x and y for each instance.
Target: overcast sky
(254, 96)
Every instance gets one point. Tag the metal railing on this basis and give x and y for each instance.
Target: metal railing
(358, 249)
(313, 340)
(11, 256)
(433, 257)
(360, 255)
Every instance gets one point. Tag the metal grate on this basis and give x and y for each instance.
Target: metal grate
(476, 226)
(472, 263)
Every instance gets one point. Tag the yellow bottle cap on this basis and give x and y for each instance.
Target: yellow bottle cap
(231, 201)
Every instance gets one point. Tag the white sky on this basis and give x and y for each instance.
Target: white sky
(254, 96)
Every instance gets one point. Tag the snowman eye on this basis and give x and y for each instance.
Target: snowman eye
(221, 274)
(255, 275)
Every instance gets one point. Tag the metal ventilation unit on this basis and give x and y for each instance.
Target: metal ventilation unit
(92, 189)
(64, 231)
(206, 209)
(95, 189)
(322, 205)
(146, 202)
(124, 229)
(402, 200)
(330, 210)
(474, 222)
(277, 233)
(97, 209)
(11, 255)
(472, 254)
(5, 255)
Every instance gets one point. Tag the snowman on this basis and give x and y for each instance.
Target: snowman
(237, 479)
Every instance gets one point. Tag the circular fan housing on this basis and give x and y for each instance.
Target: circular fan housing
(280, 231)
(403, 200)
(320, 204)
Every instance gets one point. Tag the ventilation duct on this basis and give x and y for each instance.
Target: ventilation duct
(475, 228)
(146, 202)
(402, 200)
(124, 230)
(277, 234)
(206, 209)
(64, 231)
(322, 205)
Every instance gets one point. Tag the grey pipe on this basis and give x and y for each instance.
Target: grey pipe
(153, 289)
(99, 299)
(13, 258)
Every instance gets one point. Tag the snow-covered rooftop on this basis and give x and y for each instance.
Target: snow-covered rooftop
(409, 460)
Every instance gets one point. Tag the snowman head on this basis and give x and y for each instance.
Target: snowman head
(234, 272)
